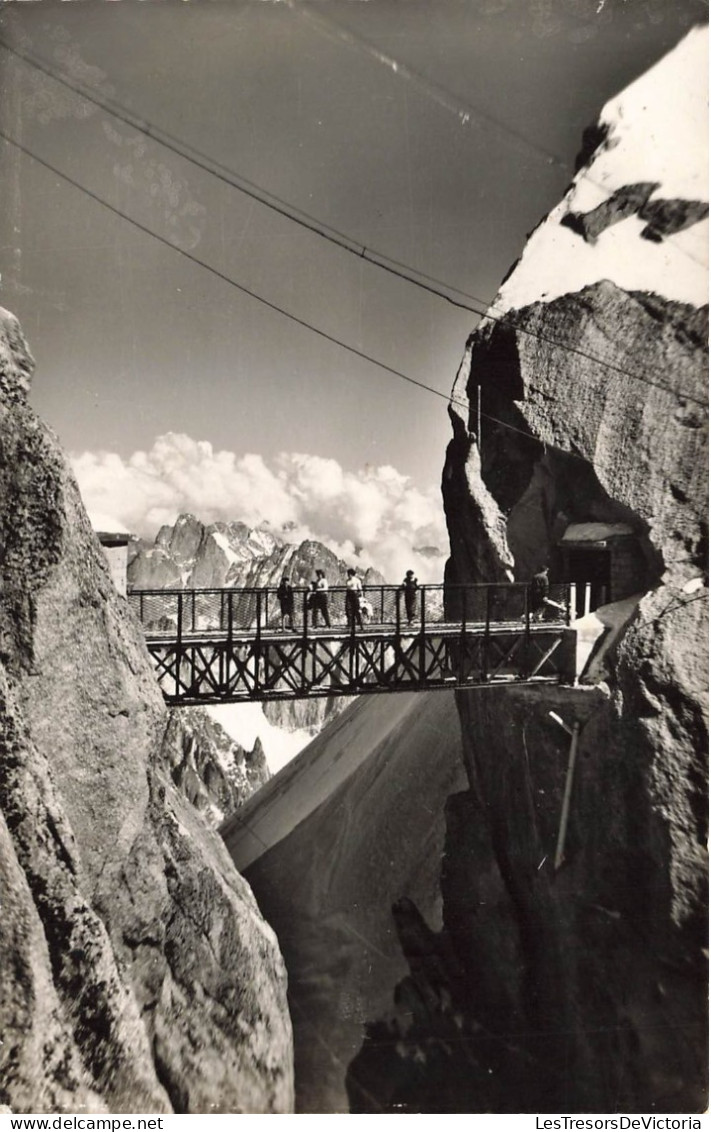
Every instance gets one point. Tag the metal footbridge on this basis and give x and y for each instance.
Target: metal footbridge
(235, 645)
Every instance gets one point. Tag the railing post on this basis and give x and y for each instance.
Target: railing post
(463, 634)
(382, 605)
(305, 641)
(258, 641)
(423, 653)
(230, 617)
(179, 643)
(140, 608)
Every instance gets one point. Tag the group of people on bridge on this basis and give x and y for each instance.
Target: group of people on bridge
(359, 610)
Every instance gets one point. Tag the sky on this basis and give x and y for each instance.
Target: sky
(433, 133)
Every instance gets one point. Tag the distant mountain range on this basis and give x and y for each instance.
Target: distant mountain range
(192, 555)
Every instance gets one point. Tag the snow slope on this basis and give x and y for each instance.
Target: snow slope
(657, 133)
(352, 825)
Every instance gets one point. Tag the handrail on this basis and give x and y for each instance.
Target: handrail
(370, 586)
(252, 610)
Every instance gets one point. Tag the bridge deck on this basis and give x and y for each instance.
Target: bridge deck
(207, 668)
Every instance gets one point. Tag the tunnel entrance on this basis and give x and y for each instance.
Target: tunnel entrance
(603, 562)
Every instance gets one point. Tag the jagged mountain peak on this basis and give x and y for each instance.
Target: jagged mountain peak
(209, 556)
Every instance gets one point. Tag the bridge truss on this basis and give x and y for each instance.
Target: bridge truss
(230, 646)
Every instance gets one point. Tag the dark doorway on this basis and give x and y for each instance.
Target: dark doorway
(588, 566)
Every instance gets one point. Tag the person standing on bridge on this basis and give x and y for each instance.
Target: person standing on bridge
(320, 603)
(538, 592)
(410, 588)
(354, 593)
(285, 594)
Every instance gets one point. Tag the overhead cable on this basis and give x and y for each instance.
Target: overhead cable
(377, 259)
(254, 295)
(260, 298)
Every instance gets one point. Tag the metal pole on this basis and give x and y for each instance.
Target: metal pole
(305, 641)
(229, 655)
(258, 640)
(463, 640)
(422, 634)
(567, 793)
(179, 645)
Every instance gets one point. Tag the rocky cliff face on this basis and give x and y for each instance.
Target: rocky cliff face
(581, 988)
(214, 773)
(137, 972)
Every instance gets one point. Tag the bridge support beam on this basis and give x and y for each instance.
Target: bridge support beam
(279, 666)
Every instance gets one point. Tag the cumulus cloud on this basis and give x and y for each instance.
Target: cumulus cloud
(373, 517)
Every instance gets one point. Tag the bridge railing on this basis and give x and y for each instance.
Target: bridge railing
(239, 612)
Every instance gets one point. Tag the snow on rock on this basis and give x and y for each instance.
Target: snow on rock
(594, 532)
(597, 633)
(247, 724)
(101, 521)
(224, 547)
(654, 134)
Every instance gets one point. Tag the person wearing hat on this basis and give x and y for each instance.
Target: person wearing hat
(410, 587)
(285, 595)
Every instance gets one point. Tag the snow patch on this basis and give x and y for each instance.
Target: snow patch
(225, 547)
(657, 131)
(595, 532)
(245, 723)
(607, 622)
(106, 523)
